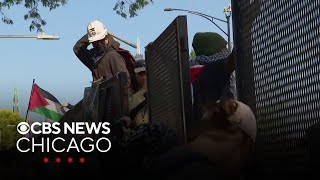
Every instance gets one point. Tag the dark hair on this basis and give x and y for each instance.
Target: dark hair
(211, 82)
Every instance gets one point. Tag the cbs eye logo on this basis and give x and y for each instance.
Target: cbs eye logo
(23, 128)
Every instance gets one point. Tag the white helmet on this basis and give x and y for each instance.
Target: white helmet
(96, 31)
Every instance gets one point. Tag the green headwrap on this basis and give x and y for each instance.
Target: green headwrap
(208, 43)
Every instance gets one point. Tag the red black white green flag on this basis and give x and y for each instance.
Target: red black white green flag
(44, 103)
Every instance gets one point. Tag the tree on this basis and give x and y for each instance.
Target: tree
(122, 8)
(193, 55)
(33, 11)
(9, 134)
(127, 7)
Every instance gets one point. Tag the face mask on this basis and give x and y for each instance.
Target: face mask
(98, 50)
(99, 47)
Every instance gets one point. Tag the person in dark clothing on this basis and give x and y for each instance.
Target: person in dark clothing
(212, 83)
(211, 51)
(103, 60)
(213, 71)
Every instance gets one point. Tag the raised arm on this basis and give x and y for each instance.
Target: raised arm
(81, 51)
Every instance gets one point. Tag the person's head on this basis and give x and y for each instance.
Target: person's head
(140, 71)
(97, 33)
(213, 81)
(227, 113)
(208, 43)
(226, 134)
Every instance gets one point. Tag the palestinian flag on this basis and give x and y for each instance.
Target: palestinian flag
(44, 103)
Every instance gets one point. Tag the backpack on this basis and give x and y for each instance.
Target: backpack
(130, 60)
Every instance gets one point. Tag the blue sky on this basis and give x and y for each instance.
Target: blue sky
(53, 64)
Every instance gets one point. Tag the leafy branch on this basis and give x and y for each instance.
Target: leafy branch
(127, 7)
(124, 8)
(33, 14)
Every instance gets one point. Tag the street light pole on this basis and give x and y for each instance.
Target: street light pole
(227, 12)
(228, 29)
(211, 19)
(39, 37)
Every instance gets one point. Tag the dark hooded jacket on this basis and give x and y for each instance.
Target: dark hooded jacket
(103, 63)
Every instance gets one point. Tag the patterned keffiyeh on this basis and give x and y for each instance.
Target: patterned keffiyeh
(202, 59)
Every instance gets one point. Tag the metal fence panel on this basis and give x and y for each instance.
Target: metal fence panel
(277, 43)
(167, 60)
(110, 104)
(113, 98)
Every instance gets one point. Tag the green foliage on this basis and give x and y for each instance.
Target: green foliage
(127, 7)
(9, 134)
(32, 7)
(193, 55)
(122, 8)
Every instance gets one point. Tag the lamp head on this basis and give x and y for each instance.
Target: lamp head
(168, 9)
(44, 36)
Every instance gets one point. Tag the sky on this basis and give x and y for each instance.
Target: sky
(53, 64)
